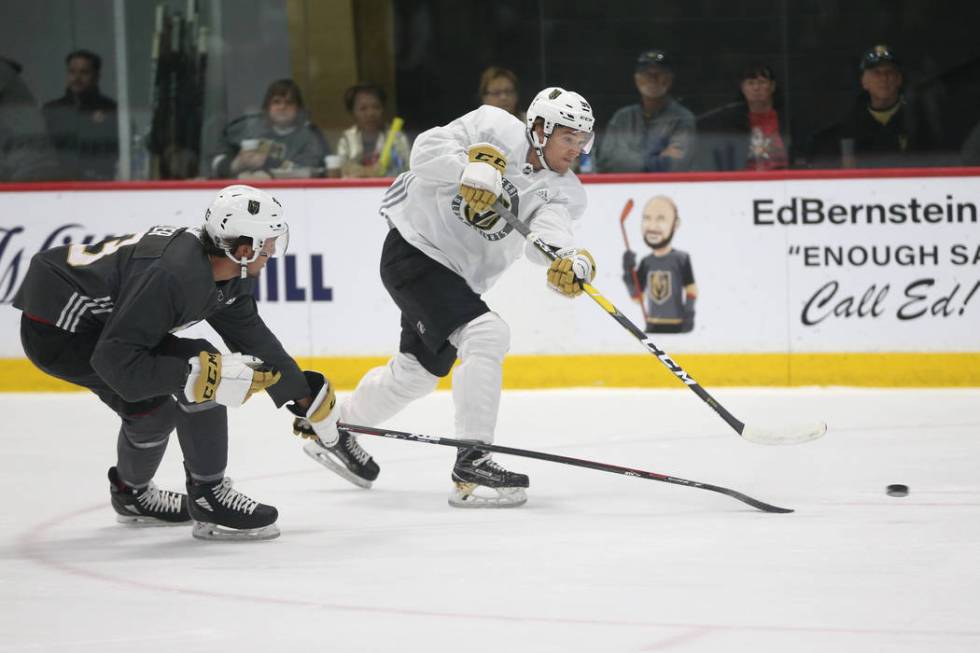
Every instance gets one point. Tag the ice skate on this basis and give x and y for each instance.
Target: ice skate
(148, 506)
(479, 482)
(221, 512)
(345, 458)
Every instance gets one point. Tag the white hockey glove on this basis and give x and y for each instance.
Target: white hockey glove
(480, 184)
(319, 420)
(570, 270)
(229, 380)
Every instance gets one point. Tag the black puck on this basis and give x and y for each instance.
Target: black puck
(897, 490)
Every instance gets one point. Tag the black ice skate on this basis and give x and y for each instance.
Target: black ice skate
(345, 457)
(221, 512)
(148, 506)
(482, 483)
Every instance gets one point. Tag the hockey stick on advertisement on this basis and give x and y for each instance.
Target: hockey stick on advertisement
(626, 241)
(563, 460)
(752, 433)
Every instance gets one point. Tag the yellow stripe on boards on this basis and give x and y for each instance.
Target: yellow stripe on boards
(896, 370)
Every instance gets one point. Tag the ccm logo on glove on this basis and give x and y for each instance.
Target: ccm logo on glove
(481, 183)
(229, 380)
(570, 270)
(207, 382)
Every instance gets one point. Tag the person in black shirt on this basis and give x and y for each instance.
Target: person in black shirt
(883, 128)
(82, 123)
(103, 316)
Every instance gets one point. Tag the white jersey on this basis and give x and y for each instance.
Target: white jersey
(425, 206)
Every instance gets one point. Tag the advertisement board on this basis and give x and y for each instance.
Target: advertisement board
(787, 267)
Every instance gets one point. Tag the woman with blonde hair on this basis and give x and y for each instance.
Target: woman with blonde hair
(499, 88)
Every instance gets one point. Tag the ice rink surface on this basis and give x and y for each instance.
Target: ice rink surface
(593, 562)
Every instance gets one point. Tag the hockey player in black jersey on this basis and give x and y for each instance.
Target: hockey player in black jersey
(103, 316)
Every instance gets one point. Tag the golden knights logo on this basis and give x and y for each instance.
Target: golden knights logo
(659, 287)
(489, 223)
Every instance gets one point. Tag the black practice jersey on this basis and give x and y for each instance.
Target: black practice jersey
(663, 279)
(137, 290)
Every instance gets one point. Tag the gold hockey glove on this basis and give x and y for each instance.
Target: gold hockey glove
(570, 270)
(481, 184)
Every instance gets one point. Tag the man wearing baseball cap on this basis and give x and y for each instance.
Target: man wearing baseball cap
(657, 133)
(881, 129)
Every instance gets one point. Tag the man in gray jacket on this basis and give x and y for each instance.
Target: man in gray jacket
(655, 135)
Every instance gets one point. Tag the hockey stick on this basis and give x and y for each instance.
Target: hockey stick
(626, 241)
(794, 435)
(563, 460)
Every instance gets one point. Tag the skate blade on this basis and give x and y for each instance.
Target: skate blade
(317, 453)
(205, 531)
(141, 521)
(471, 495)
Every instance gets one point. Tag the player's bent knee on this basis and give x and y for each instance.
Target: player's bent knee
(410, 375)
(152, 428)
(488, 335)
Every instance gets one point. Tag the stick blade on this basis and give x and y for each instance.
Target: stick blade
(744, 498)
(791, 435)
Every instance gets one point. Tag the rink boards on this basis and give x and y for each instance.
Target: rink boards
(850, 280)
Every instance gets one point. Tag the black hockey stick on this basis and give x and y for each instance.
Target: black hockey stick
(564, 460)
(752, 433)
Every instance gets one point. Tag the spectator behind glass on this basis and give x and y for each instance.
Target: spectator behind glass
(82, 123)
(655, 135)
(748, 134)
(882, 129)
(25, 152)
(279, 142)
(362, 147)
(499, 88)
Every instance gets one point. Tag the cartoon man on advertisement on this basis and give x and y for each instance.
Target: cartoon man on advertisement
(664, 280)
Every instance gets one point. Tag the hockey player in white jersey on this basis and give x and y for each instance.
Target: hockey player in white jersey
(447, 246)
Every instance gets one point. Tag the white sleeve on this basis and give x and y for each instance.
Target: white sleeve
(555, 221)
(553, 224)
(440, 154)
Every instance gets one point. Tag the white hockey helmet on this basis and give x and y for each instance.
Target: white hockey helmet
(244, 212)
(555, 106)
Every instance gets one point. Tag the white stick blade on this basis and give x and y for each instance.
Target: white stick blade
(791, 435)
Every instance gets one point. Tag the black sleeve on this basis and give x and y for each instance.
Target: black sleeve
(630, 274)
(642, 272)
(687, 272)
(128, 355)
(240, 326)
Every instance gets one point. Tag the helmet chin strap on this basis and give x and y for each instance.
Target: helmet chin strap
(538, 148)
(243, 262)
